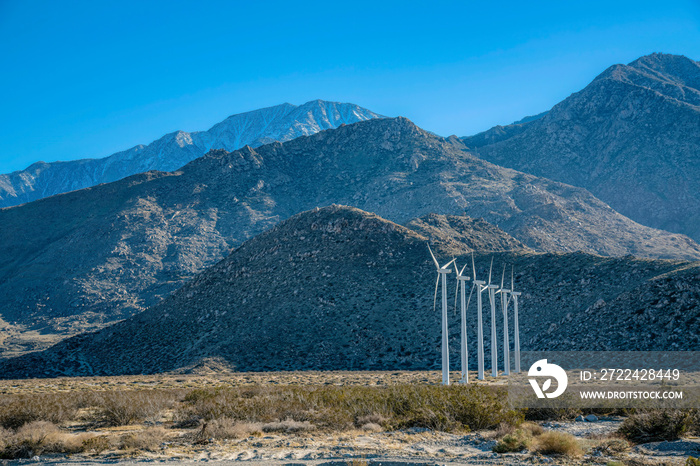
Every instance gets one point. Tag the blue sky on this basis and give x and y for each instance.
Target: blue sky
(86, 79)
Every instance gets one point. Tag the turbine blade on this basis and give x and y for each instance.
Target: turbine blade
(433, 256)
(504, 275)
(448, 264)
(470, 296)
(456, 288)
(456, 269)
(437, 281)
(460, 272)
(473, 266)
(490, 268)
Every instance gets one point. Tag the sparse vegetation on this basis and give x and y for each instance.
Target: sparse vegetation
(18, 410)
(148, 439)
(118, 408)
(227, 428)
(558, 443)
(612, 446)
(517, 439)
(341, 408)
(657, 425)
(187, 412)
(37, 438)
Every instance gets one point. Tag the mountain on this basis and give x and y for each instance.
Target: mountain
(459, 234)
(338, 288)
(631, 137)
(81, 260)
(172, 151)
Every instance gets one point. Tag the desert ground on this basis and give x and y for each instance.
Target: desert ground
(312, 418)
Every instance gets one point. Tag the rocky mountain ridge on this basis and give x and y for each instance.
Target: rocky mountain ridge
(631, 137)
(255, 128)
(81, 260)
(338, 288)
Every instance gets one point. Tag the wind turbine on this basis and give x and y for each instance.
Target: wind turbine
(442, 272)
(480, 330)
(461, 279)
(506, 340)
(494, 343)
(515, 295)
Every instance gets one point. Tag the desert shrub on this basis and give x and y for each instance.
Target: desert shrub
(96, 444)
(199, 394)
(557, 443)
(612, 446)
(371, 427)
(288, 425)
(449, 408)
(533, 429)
(37, 438)
(695, 422)
(339, 408)
(373, 418)
(517, 441)
(56, 408)
(656, 425)
(226, 428)
(562, 413)
(514, 439)
(118, 408)
(692, 461)
(148, 439)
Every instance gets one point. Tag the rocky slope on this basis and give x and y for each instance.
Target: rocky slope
(457, 234)
(339, 288)
(631, 137)
(280, 123)
(81, 260)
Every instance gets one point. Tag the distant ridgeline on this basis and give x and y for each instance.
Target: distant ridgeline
(172, 151)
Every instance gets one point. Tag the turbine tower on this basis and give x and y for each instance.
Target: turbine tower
(494, 343)
(515, 295)
(442, 272)
(461, 279)
(480, 323)
(506, 339)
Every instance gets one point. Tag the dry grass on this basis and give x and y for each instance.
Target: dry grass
(37, 422)
(118, 408)
(17, 410)
(288, 426)
(148, 439)
(227, 428)
(50, 416)
(514, 439)
(612, 446)
(558, 443)
(38, 438)
(514, 442)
